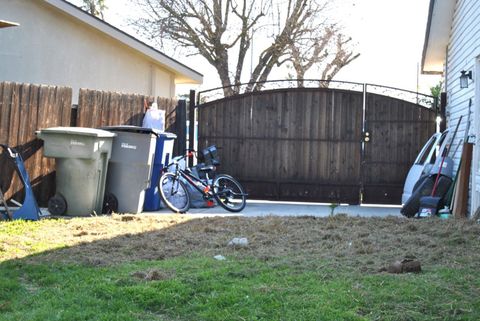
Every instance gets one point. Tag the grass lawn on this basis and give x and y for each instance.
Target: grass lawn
(126, 267)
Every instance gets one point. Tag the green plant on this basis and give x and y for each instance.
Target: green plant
(436, 90)
(333, 206)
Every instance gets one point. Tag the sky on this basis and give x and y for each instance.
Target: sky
(388, 34)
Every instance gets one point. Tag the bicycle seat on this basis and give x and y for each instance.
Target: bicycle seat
(207, 168)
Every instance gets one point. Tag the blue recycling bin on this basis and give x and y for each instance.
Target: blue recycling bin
(163, 155)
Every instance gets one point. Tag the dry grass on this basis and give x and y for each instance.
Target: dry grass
(365, 244)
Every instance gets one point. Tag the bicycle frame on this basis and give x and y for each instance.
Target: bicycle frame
(193, 180)
(205, 189)
(220, 188)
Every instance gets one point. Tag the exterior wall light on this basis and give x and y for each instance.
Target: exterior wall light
(464, 77)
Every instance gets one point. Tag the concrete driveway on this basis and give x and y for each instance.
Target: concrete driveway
(263, 208)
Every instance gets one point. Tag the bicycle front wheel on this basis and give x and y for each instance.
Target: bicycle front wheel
(174, 193)
(229, 193)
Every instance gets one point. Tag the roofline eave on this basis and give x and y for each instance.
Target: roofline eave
(437, 34)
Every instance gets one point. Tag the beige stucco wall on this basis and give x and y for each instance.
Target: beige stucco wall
(52, 48)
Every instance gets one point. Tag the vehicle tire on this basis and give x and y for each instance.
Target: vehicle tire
(174, 193)
(229, 193)
(110, 203)
(57, 205)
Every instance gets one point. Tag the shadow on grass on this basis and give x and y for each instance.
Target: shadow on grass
(371, 242)
(292, 265)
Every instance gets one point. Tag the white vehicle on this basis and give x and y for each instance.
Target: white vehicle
(424, 163)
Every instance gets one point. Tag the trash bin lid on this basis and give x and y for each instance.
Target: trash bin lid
(138, 129)
(168, 135)
(84, 131)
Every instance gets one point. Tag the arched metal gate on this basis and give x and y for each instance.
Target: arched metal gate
(318, 144)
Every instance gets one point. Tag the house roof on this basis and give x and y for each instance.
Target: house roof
(439, 24)
(183, 74)
(5, 24)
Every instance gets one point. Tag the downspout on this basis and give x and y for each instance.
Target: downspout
(152, 82)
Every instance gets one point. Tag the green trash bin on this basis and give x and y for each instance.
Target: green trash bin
(81, 157)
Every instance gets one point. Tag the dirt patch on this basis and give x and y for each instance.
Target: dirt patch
(152, 275)
(367, 244)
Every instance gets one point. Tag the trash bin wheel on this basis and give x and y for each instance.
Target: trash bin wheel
(110, 203)
(57, 205)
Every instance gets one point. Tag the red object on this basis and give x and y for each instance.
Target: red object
(438, 176)
(206, 189)
(210, 203)
(445, 154)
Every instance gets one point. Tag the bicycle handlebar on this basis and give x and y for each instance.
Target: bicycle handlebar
(189, 152)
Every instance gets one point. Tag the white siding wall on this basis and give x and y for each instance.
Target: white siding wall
(463, 50)
(49, 47)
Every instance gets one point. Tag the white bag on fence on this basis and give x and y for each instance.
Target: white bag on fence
(154, 118)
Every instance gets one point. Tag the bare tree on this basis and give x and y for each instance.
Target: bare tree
(305, 53)
(222, 32)
(291, 27)
(95, 7)
(342, 57)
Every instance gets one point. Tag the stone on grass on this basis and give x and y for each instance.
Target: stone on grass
(404, 266)
(238, 241)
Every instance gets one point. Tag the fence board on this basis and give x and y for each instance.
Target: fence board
(101, 108)
(24, 109)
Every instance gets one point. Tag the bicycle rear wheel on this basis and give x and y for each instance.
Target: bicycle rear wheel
(229, 193)
(174, 193)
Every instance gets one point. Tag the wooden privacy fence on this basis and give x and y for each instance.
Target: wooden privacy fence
(288, 144)
(102, 108)
(26, 108)
(397, 130)
(309, 143)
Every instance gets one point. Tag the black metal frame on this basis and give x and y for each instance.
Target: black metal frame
(424, 100)
(192, 180)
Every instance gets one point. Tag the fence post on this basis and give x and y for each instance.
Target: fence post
(442, 111)
(191, 125)
(362, 148)
(181, 127)
(73, 116)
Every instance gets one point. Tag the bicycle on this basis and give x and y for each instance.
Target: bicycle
(226, 190)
